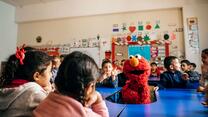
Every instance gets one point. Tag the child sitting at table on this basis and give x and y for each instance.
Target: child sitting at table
(204, 78)
(24, 83)
(193, 77)
(108, 76)
(155, 72)
(75, 94)
(172, 78)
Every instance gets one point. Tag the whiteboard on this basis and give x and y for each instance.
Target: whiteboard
(93, 52)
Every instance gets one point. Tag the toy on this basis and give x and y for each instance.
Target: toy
(136, 90)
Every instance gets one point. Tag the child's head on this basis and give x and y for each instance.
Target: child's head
(36, 67)
(153, 66)
(192, 66)
(204, 56)
(107, 67)
(185, 65)
(171, 63)
(77, 76)
(122, 62)
(62, 57)
(56, 62)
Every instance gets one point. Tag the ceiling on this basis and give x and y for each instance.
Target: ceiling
(21, 3)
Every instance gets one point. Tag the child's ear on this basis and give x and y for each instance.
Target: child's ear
(171, 67)
(36, 76)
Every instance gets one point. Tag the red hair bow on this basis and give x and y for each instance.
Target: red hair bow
(20, 54)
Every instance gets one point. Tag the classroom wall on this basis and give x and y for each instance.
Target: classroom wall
(8, 31)
(200, 12)
(68, 30)
(74, 8)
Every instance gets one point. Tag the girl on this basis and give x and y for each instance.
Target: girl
(75, 90)
(108, 76)
(24, 83)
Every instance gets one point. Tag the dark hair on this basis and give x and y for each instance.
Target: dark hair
(186, 61)
(153, 63)
(193, 64)
(168, 60)
(29, 48)
(105, 61)
(205, 51)
(34, 61)
(74, 75)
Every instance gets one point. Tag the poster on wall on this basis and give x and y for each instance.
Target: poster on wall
(193, 34)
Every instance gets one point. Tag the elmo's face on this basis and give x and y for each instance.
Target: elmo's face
(136, 67)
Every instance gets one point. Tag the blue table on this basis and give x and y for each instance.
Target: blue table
(113, 108)
(170, 103)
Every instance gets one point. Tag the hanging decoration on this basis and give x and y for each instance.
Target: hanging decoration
(140, 26)
(115, 28)
(124, 27)
(134, 38)
(132, 29)
(157, 24)
(148, 26)
(166, 36)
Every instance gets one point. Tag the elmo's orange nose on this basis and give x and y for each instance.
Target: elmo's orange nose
(134, 62)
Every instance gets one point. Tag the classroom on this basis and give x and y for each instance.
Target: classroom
(118, 30)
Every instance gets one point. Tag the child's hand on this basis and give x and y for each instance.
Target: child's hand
(155, 88)
(114, 73)
(94, 98)
(185, 76)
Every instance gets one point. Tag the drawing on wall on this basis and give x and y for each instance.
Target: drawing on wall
(193, 34)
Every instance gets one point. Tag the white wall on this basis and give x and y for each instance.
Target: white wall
(200, 12)
(8, 31)
(73, 8)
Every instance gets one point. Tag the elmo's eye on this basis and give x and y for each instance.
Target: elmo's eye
(138, 56)
(130, 56)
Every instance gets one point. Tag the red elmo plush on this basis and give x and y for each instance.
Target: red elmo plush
(136, 90)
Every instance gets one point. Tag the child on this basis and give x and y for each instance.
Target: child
(172, 78)
(155, 72)
(185, 67)
(204, 78)
(75, 93)
(25, 82)
(108, 76)
(193, 77)
(55, 66)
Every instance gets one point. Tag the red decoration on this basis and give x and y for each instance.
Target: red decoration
(128, 38)
(136, 90)
(20, 54)
(132, 29)
(148, 27)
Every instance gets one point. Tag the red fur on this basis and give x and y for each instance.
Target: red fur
(136, 90)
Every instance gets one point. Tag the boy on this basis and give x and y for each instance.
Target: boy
(172, 78)
(192, 75)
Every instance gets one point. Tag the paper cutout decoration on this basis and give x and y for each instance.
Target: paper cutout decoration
(134, 38)
(132, 29)
(141, 28)
(173, 36)
(157, 26)
(128, 38)
(166, 36)
(115, 28)
(124, 28)
(148, 27)
(153, 35)
(139, 38)
(146, 38)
